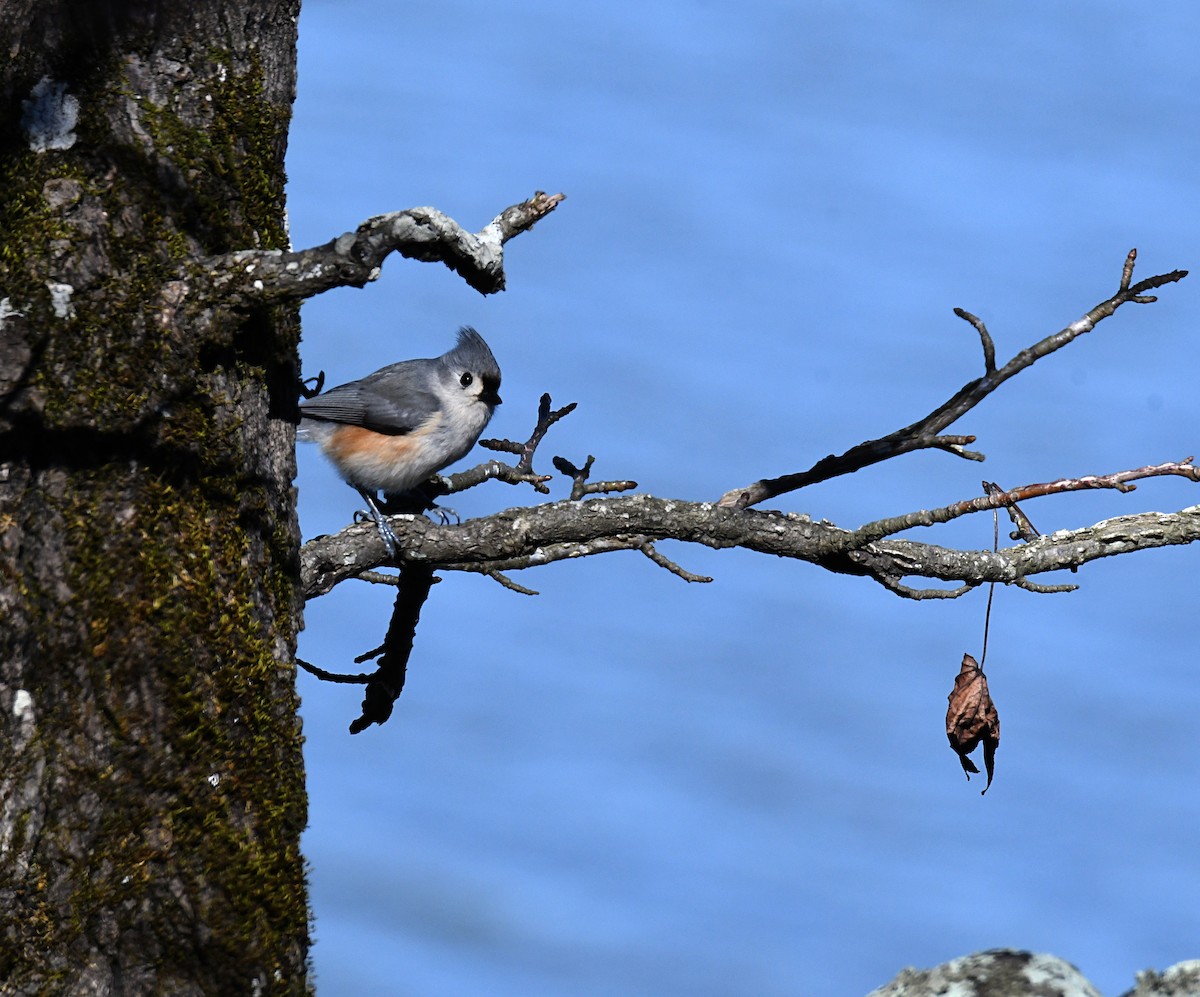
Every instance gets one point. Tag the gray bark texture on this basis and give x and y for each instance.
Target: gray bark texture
(151, 778)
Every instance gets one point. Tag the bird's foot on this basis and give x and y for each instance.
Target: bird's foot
(386, 533)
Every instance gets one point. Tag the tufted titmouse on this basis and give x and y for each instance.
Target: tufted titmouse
(392, 429)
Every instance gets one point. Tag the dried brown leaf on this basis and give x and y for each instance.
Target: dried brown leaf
(972, 719)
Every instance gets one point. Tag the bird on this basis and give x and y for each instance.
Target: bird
(391, 430)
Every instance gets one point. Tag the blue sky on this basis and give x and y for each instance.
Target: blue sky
(630, 785)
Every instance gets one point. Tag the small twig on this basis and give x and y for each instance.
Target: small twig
(907, 592)
(450, 484)
(370, 655)
(1149, 284)
(1120, 480)
(663, 561)
(508, 583)
(1043, 589)
(921, 434)
(951, 444)
(523, 472)
(378, 578)
(989, 348)
(578, 475)
(327, 676)
(1127, 269)
(545, 420)
(580, 486)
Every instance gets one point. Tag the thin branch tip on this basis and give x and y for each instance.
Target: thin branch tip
(522, 217)
(985, 337)
(1127, 269)
(925, 432)
(504, 581)
(655, 555)
(328, 676)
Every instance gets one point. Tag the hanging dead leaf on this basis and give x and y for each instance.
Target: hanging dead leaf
(972, 718)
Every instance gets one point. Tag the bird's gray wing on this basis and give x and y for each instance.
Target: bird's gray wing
(389, 401)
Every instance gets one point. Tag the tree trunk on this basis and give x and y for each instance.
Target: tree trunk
(151, 779)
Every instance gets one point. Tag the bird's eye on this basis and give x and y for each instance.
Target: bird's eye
(466, 379)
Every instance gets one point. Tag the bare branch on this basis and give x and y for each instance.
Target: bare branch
(375, 652)
(583, 526)
(523, 472)
(519, 538)
(450, 484)
(580, 486)
(908, 592)
(252, 278)
(951, 444)
(663, 561)
(386, 684)
(1120, 535)
(337, 677)
(1025, 583)
(549, 554)
(508, 583)
(545, 420)
(923, 433)
(989, 348)
(379, 578)
(1001, 499)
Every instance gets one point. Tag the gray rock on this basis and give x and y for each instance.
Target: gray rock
(1012, 973)
(1180, 980)
(994, 973)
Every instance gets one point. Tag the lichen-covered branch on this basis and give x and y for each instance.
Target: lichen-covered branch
(528, 537)
(252, 278)
(925, 433)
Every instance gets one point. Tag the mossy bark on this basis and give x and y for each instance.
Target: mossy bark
(151, 779)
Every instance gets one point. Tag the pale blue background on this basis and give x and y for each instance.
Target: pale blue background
(630, 785)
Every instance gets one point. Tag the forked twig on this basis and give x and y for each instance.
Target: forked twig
(580, 486)
(925, 432)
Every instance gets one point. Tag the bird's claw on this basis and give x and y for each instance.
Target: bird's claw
(388, 536)
(386, 533)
